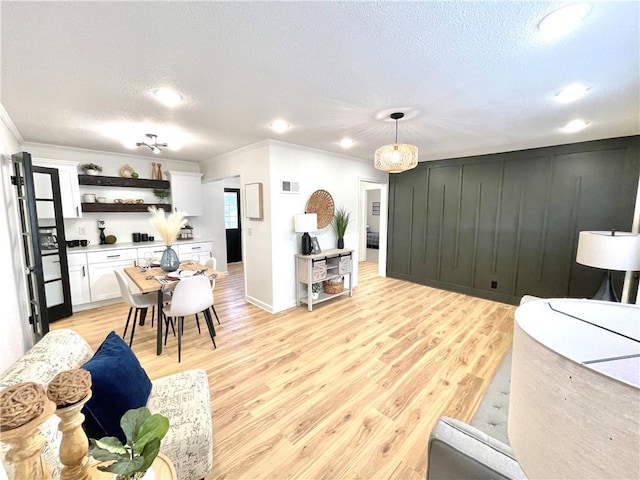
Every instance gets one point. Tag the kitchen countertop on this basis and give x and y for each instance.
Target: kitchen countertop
(128, 245)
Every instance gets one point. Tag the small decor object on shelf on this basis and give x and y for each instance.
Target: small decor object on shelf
(143, 432)
(316, 288)
(101, 227)
(162, 193)
(127, 171)
(168, 227)
(91, 169)
(334, 286)
(340, 223)
(315, 245)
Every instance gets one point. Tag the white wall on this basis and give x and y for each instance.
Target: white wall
(340, 175)
(211, 224)
(16, 333)
(122, 225)
(373, 220)
(251, 164)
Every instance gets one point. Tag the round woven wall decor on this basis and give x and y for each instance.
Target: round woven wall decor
(321, 203)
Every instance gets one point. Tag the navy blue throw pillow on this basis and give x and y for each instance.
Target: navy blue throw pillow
(118, 384)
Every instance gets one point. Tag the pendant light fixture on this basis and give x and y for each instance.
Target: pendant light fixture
(153, 144)
(397, 157)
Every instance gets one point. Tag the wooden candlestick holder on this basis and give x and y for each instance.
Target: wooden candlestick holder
(26, 444)
(74, 445)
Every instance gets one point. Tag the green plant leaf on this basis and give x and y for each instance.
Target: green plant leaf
(109, 444)
(340, 221)
(131, 422)
(125, 466)
(150, 453)
(154, 427)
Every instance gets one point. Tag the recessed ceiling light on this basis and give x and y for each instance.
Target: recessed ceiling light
(167, 96)
(574, 126)
(563, 20)
(346, 143)
(572, 93)
(279, 126)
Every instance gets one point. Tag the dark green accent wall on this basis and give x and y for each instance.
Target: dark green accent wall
(511, 218)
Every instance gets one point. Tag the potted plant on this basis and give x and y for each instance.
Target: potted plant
(340, 222)
(316, 288)
(91, 169)
(143, 432)
(161, 193)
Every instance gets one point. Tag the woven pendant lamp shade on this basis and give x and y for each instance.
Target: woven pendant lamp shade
(396, 158)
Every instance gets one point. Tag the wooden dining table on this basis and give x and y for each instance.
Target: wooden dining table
(155, 280)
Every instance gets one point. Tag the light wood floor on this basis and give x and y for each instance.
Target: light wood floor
(348, 391)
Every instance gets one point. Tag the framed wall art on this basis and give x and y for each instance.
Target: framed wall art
(253, 200)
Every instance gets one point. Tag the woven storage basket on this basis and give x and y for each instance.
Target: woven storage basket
(331, 286)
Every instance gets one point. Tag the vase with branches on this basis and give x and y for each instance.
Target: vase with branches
(168, 227)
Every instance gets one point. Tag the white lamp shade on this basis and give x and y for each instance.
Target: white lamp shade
(573, 414)
(612, 252)
(306, 222)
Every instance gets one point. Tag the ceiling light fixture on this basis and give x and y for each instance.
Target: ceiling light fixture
(346, 143)
(563, 20)
(279, 126)
(167, 96)
(572, 93)
(153, 144)
(574, 126)
(397, 157)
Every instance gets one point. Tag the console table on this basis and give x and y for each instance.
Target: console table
(574, 406)
(316, 268)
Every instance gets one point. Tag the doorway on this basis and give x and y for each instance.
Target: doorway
(373, 224)
(232, 224)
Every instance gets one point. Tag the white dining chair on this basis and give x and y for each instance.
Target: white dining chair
(191, 296)
(213, 263)
(139, 302)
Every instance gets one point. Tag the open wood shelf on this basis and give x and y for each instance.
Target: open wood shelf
(104, 181)
(123, 207)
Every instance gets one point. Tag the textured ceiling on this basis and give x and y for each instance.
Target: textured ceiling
(472, 77)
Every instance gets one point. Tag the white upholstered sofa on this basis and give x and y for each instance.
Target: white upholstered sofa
(183, 398)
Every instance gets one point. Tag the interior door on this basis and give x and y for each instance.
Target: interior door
(51, 237)
(22, 179)
(232, 224)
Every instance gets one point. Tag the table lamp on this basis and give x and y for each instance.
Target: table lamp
(573, 415)
(610, 251)
(305, 223)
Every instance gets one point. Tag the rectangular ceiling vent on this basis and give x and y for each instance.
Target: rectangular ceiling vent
(288, 186)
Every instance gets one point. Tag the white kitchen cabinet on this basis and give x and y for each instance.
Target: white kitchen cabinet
(203, 249)
(102, 280)
(79, 278)
(69, 186)
(186, 192)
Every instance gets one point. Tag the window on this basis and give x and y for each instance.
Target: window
(230, 210)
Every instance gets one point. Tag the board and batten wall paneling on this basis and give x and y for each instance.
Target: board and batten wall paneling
(505, 225)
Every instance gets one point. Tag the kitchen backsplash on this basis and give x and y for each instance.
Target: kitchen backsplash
(122, 225)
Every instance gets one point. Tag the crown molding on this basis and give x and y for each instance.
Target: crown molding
(6, 119)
